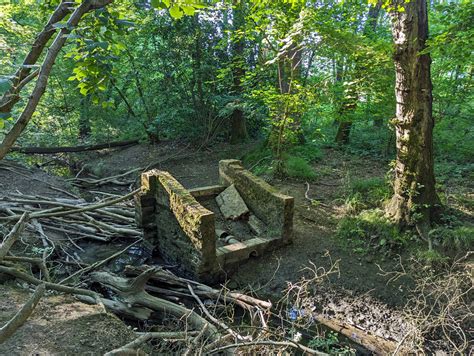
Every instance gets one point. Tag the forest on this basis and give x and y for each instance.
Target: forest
(236, 177)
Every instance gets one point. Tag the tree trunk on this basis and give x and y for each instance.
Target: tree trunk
(46, 67)
(350, 99)
(415, 200)
(84, 120)
(238, 128)
(22, 75)
(343, 132)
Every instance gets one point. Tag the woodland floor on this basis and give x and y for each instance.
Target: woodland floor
(358, 289)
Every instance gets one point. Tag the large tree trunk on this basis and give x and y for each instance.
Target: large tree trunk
(46, 67)
(415, 200)
(238, 128)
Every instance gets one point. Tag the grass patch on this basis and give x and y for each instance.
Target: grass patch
(367, 194)
(298, 167)
(295, 164)
(458, 238)
(370, 229)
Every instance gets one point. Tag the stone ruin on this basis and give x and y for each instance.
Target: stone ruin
(207, 232)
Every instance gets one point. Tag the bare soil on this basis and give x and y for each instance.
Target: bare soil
(60, 325)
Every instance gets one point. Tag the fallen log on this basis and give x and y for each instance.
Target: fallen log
(376, 344)
(132, 292)
(69, 149)
(202, 290)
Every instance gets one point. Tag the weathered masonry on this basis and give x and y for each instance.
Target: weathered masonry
(189, 229)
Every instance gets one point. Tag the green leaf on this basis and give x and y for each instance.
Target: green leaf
(156, 4)
(125, 23)
(5, 85)
(188, 10)
(176, 12)
(5, 115)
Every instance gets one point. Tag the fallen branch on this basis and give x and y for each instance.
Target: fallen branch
(75, 210)
(376, 344)
(53, 286)
(133, 292)
(131, 347)
(202, 290)
(98, 263)
(13, 235)
(19, 319)
(67, 149)
(118, 307)
(32, 260)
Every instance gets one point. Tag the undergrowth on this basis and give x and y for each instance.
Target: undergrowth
(371, 229)
(296, 162)
(366, 194)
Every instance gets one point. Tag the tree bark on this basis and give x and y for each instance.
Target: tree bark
(22, 75)
(415, 200)
(46, 67)
(238, 128)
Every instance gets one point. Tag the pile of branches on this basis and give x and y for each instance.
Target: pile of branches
(204, 318)
(102, 220)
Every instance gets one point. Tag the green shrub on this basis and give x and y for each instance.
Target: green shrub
(297, 167)
(259, 160)
(330, 343)
(310, 152)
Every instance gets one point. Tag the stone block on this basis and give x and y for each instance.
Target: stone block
(269, 205)
(185, 229)
(231, 204)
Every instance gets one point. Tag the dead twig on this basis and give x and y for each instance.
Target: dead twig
(213, 319)
(313, 201)
(291, 344)
(131, 347)
(98, 263)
